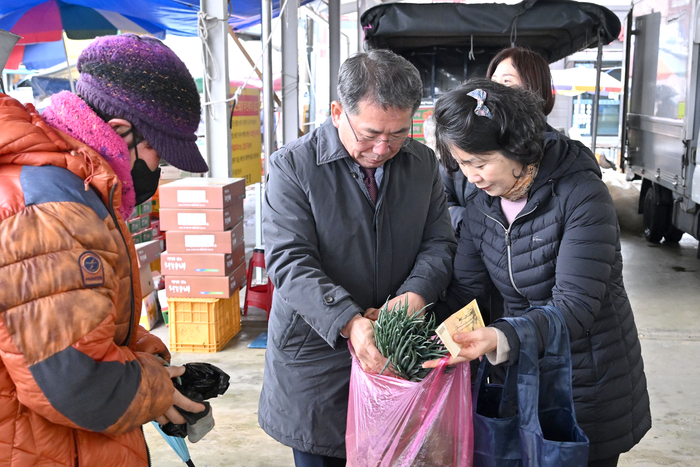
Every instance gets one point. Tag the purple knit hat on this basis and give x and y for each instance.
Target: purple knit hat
(139, 79)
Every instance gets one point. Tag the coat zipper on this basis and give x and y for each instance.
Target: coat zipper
(148, 451)
(77, 454)
(131, 272)
(508, 242)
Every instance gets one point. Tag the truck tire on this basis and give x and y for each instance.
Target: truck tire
(673, 234)
(655, 217)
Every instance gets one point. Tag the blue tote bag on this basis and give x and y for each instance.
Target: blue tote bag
(529, 420)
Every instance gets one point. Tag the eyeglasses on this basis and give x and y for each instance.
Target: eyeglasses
(394, 142)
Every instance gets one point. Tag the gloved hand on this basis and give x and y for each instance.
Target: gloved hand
(173, 416)
(198, 424)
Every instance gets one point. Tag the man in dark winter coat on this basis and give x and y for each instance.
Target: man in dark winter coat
(354, 214)
(542, 229)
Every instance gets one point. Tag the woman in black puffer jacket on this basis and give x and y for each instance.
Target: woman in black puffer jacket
(542, 229)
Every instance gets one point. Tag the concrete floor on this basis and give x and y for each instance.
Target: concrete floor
(663, 283)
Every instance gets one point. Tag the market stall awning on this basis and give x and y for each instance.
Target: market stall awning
(42, 20)
(575, 81)
(552, 28)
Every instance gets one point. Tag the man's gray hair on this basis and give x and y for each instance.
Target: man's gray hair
(380, 77)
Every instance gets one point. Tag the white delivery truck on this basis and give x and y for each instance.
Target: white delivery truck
(661, 128)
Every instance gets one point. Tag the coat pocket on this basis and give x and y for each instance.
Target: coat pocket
(295, 335)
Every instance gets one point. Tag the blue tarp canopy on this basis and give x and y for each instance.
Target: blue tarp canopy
(178, 17)
(246, 13)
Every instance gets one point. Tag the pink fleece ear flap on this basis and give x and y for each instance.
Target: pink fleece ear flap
(70, 114)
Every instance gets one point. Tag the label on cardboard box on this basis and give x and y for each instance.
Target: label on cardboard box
(201, 286)
(186, 219)
(191, 196)
(197, 264)
(200, 241)
(201, 219)
(208, 193)
(206, 242)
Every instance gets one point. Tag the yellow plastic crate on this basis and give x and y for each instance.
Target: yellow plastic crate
(203, 324)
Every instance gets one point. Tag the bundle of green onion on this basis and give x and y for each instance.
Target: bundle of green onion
(407, 340)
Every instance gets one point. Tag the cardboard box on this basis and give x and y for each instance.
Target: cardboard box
(200, 286)
(207, 193)
(155, 226)
(149, 311)
(133, 224)
(238, 256)
(163, 302)
(147, 285)
(144, 208)
(201, 219)
(148, 252)
(197, 264)
(156, 276)
(228, 241)
(239, 276)
(145, 221)
(206, 286)
(146, 235)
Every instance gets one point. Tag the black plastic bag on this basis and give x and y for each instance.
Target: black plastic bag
(202, 381)
(172, 429)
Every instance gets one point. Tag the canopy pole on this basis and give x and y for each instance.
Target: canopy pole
(290, 72)
(599, 66)
(333, 47)
(70, 72)
(268, 115)
(624, 77)
(213, 32)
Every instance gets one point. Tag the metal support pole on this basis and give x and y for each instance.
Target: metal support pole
(268, 114)
(70, 72)
(290, 71)
(216, 115)
(599, 66)
(625, 78)
(333, 47)
(360, 33)
(311, 65)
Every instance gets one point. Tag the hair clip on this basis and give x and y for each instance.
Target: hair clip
(481, 109)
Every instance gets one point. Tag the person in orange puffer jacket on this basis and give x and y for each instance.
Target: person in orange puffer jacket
(78, 375)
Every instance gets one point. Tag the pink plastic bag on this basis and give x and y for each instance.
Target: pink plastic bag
(393, 422)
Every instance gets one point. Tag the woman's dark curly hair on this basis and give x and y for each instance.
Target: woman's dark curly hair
(516, 128)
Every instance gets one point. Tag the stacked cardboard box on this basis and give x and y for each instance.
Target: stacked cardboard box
(148, 253)
(203, 223)
(140, 223)
(145, 233)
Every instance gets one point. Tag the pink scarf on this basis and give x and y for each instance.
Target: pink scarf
(70, 114)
